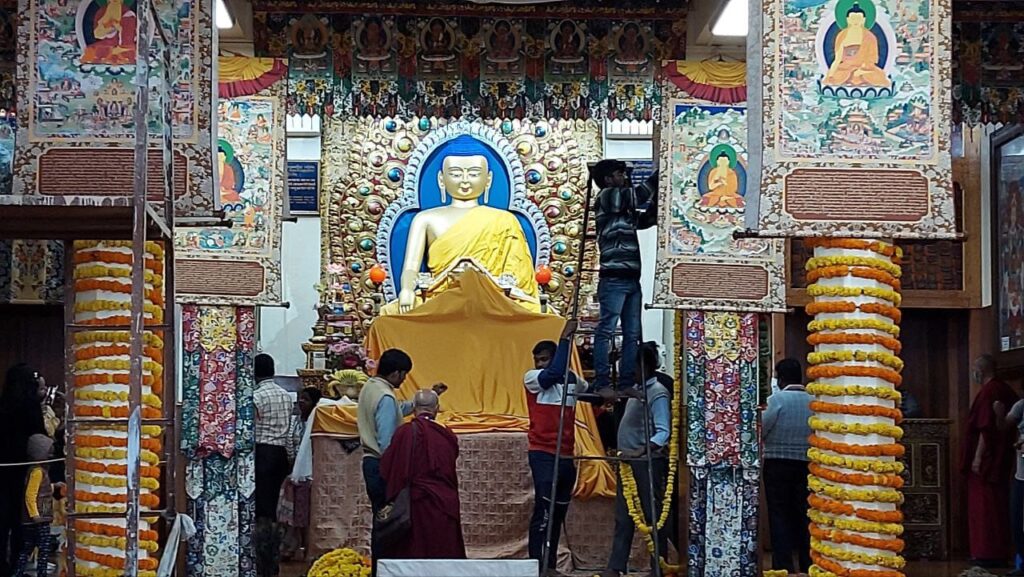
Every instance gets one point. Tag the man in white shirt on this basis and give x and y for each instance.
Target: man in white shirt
(273, 407)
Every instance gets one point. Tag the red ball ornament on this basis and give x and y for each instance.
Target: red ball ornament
(377, 274)
(543, 275)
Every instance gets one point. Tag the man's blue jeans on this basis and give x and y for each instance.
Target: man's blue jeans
(620, 298)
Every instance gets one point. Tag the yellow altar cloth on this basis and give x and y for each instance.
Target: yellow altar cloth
(478, 342)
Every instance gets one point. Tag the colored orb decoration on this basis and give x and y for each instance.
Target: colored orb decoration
(541, 130)
(506, 127)
(377, 274)
(424, 124)
(560, 247)
(543, 275)
(534, 176)
(573, 230)
(378, 158)
(524, 148)
(364, 190)
(554, 164)
(356, 267)
(355, 225)
(374, 208)
(404, 144)
(569, 270)
(391, 126)
(395, 174)
(565, 194)
(552, 212)
(366, 244)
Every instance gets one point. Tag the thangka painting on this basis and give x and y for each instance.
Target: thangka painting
(856, 135)
(564, 60)
(370, 193)
(75, 117)
(220, 265)
(702, 265)
(1008, 208)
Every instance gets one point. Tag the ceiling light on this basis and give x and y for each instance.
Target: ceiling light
(733, 20)
(224, 21)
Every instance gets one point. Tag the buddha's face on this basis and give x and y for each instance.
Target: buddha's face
(465, 177)
(722, 161)
(855, 19)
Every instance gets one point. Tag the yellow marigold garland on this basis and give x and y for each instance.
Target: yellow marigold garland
(340, 563)
(820, 290)
(888, 359)
(115, 542)
(100, 271)
(857, 525)
(817, 262)
(116, 365)
(884, 248)
(101, 336)
(84, 571)
(847, 324)
(888, 561)
(114, 482)
(826, 390)
(819, 424)
(863, 495)
(111, 454)
(864, 465)
(148, 399)
(775, 573)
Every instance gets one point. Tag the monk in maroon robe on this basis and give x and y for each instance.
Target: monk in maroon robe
(422, 456)
(988, 462)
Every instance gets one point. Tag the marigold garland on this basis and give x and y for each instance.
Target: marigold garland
(888, 359)
(145, 499)
(103, 442)
(876, 275)
(106, 412)
(112, 530)
(820, 290)
(839, 508)
(848, 324)
(830, 565)
(858, 410)
(839, 428)
(340, 563)
(116, 542)
(84, 571)
(105, 256)
(117, 379)
(774, 573)
(857, 525)
(835, 371)
(155, 313)
(107, 454)
(890, 343)
(886, 450)
(96, 351)
(87, 337)
(888, 561)
(883, 248)
(113, 396)
(94, 284)
(115, 482)
(863, 495)
(818, 262)
(863, 479)
(894, 544)
(153, 247)
(92, 467)
(154, 369)
(101, 271)
(825, 390)
(145, 563)
(864, 465)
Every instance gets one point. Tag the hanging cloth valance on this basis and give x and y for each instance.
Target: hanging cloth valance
(711, 80)
(239, 76)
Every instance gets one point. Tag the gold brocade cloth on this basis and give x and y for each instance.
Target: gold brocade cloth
(478, 342)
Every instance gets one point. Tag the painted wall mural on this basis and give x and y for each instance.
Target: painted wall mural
(78, 67)
(856, 103)
(220, 265)
(450, 60)
(703, 152)
(988, 44)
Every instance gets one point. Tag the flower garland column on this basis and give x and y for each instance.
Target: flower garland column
(854, 372)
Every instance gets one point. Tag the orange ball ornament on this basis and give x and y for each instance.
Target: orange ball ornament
(543, 274)
(377, 274)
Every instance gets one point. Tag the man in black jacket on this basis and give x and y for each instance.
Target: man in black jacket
(619, 216)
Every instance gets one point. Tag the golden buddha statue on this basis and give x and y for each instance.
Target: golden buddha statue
(722, 180)
(465, 229)
(856, 54)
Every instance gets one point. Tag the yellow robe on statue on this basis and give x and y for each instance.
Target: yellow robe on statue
(857, 62)
(480, 344)
(723, 187)
(494, 239)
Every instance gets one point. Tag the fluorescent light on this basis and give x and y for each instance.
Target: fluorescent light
(224, 21)
(733, 20)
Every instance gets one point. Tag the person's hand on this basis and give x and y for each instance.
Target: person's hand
(569, 329)
(439, 388)
(406, 299)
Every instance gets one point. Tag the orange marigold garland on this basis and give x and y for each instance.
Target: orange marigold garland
(103, 283)
(852, 462)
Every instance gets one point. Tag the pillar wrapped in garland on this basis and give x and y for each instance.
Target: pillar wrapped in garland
(102, 298)
(854, 373)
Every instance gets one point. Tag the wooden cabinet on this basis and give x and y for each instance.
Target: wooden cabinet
(926, 508)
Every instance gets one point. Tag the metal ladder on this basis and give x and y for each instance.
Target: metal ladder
(144, 216)
(648, 458)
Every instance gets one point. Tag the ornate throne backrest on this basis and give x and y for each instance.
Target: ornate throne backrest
(420, 191)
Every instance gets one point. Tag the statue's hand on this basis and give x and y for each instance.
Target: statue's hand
(406, 300)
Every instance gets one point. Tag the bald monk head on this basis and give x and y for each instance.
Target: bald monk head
(425, 402)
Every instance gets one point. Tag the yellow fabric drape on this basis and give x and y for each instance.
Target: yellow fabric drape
(480, 344)
(235, 68)
(714, 73)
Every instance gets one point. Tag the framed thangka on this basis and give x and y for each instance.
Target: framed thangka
(1008, 237)
(856, 107)
(75, 119)
(242, 263)
(702, 265)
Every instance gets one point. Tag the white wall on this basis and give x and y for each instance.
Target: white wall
(284, 330)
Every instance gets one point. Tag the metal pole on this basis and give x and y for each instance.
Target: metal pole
(70, 425)
(546, 549)
(143, 20)
(653, 497)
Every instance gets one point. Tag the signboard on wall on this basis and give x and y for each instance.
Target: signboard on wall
(304, 186)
